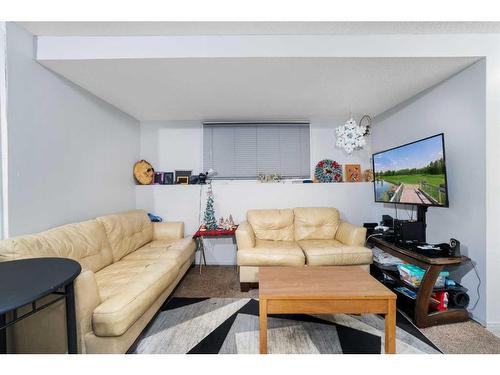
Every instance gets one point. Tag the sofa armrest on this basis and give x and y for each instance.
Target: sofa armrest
(245, 236)
(87, 298)
(350, 234)
(168, 230)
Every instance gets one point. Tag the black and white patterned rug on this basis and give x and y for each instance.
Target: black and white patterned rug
(230, 325)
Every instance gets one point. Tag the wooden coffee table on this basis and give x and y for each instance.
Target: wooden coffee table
(324, 290)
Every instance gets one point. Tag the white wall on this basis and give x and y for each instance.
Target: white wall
(70, 154)
(185, 202)
(171, 145)
(457, 108)
(3, 124)
(178, 145)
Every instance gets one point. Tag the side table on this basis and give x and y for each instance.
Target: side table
(24, 281)
(216, 233)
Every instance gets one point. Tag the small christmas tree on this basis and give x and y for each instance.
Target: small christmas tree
(209, 215)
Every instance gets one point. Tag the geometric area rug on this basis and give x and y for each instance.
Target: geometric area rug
(231, 325)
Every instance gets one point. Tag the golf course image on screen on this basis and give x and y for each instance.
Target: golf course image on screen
(412, 174)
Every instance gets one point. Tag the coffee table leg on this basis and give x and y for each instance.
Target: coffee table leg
(263, 325)
(390, 327)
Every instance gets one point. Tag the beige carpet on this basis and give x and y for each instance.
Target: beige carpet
(463, 338)
(222, 281)
(214, 281)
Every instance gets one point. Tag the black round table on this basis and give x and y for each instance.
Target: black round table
(25, 281)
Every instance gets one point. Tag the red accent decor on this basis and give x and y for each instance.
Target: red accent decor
(214, 233)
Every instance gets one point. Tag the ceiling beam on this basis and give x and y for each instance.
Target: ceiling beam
(243, 46)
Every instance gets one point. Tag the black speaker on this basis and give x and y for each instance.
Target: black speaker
(458, 299)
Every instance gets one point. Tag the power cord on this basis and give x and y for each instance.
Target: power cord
(199, 208)
(372, 235)
(478, 285)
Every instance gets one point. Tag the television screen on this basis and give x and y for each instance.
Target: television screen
(414, 173)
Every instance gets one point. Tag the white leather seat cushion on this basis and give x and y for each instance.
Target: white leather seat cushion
(333, 252)
(315, 223)
(275, 225)
(176, 250)
(272, 253)
(127, 232)
(128, 288)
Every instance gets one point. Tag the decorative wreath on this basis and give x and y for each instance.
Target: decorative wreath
(328, 171)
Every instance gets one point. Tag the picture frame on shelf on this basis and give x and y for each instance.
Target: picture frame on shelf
(353, 173)
(182, 180)
(168, 178)
(158, 179)
(182, 177)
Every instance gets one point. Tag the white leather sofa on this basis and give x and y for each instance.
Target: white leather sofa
(312, 236)
(129, 267)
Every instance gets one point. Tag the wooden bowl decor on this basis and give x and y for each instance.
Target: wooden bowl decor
(144, 172)
(328, 170)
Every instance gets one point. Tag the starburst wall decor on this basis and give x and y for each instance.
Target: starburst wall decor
(350, 136)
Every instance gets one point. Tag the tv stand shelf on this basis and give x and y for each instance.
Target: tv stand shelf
(394, 275)
(433, 266)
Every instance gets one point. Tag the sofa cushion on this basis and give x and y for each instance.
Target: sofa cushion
(271, 253)
(179, 251)
(315, 223)
(127, 232)
(85, 242)
(128, 288)
(333, 252)
(274, 225)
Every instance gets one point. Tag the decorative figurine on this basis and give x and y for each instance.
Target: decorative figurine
(368, 175)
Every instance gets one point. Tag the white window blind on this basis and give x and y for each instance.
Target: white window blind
(245, 150)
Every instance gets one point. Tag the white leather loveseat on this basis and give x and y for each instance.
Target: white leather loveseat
(312, 236)
(129, 267)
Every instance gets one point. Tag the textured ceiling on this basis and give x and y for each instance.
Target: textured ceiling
(256, 88)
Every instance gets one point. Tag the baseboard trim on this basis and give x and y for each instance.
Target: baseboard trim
(494, 328)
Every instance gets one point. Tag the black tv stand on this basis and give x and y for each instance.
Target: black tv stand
(419, 308)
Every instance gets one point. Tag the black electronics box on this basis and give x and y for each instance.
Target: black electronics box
(407, 232)
(370, 228)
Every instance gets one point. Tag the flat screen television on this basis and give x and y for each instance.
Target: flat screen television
(414, 173)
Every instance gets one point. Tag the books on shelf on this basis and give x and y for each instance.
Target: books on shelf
(407, 292)
(385, 259)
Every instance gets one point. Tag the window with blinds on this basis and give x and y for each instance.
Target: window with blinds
(246, 150)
